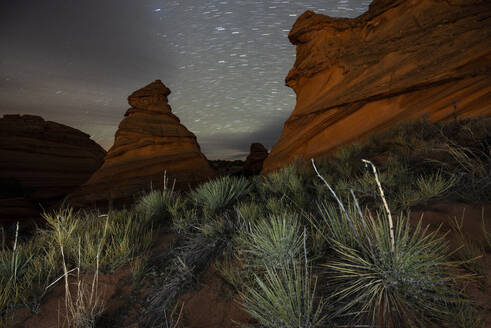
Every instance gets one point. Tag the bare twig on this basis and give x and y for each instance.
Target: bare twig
(356, 203)
(341, 206)
(60, 277)
(14, 260)
(391, 225)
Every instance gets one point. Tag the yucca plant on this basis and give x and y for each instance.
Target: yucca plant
(387, 274)
(273, 241)
(250, 211)
(434, 185)
(285, 297)
(221, 194)
(160, 205)
(287, 184)
(409, 285)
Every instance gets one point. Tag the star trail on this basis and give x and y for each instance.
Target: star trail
(75, 62)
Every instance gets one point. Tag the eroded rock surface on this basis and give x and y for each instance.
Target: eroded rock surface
(401, 60)
(150, 145)
(41, 162)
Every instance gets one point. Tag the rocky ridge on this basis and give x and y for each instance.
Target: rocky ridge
(402, 60)
(41, 162)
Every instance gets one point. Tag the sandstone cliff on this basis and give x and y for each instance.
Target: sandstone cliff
(150, 143)
(41, 162)
(401, 60)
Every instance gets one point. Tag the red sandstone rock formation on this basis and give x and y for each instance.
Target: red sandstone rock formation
(401, 60)
(149, 144)
(41, 162)
(254, 161)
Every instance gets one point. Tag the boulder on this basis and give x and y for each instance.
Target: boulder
(401, 60)
(151, 150)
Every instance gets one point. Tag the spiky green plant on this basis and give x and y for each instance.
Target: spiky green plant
(434, 185)
(285, 297)
(160, 205)
(288, 184)
(387, 274)
(221, 194)
(250, 211)
(410, 285)
(466, 315)
(274, 241)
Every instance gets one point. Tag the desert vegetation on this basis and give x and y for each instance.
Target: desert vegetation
(327, 243)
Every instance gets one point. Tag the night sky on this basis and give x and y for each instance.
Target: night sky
(76, 61)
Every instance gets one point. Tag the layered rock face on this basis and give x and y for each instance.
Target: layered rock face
(41, 162)
(402, 60)
(150, 145)
(254, 161)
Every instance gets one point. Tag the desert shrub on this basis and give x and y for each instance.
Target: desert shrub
(286, 184)
(472, 166)
(424, 188)
(384, 273)
(185, 221)
(26, 270)
(465, 315)
(196, 248)
(341, 227)
(274, 241)
(231, 271)
(250, 211)
(285, 297)
(13, 265)
(410, 284)
(161, 206)
(85, 306)
(128, 235)
(220, 195)
(345, 163)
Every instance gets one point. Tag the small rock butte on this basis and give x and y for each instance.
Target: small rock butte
(254, 161)
(150, 145)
